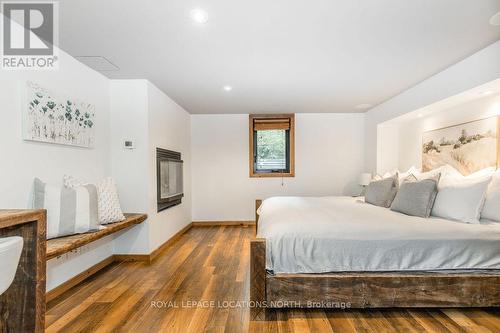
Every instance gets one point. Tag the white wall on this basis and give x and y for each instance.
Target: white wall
(329, 150)
(125, 110)
(21, 161)
(144, 114)
(169, 128)
(73, 263)
(478, 69)
(388, 137)
(129, 121)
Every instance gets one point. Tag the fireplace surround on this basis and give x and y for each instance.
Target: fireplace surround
(169, 178)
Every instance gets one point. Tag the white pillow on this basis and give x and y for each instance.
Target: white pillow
(445, 171)
(460, 199)
(401, 175)
(69, 210)
(108, 203)
(386, 175)
(491, 210)
(482, 173)
(411, 171)
(390, 174)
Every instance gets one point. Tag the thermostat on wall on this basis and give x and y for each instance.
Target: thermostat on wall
(128, 145)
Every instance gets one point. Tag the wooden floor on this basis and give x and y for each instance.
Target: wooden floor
(211, 264)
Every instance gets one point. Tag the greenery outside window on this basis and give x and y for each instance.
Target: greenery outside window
(272, 145)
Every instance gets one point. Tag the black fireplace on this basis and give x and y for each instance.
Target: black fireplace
(169, 179)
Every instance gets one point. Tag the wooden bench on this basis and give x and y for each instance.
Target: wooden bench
(62, 245)
(59, 246)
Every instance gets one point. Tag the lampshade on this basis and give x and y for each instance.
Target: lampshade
(365, 179)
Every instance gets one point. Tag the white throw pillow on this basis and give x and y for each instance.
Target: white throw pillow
(69, 210)
(460, 199)
(491, 210)
(482, 173)
(411, 171)
(108, 203)
(445, 171)
(390, 174)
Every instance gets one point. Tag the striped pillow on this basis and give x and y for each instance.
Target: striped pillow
(69, 211)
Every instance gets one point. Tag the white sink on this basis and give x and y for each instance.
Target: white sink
(10, 253)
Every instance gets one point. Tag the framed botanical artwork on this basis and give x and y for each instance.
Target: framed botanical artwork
(52, 118)
(468, 147)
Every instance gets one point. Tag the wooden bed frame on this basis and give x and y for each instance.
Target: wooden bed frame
(366, 289)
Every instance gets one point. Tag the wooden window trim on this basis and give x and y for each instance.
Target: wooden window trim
(272, 118)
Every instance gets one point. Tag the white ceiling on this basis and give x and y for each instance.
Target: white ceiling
(278, 55)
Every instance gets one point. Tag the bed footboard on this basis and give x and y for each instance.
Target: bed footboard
(257, 278)
(367, 289)
(385, 290)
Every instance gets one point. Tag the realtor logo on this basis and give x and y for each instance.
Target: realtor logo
(29, 35)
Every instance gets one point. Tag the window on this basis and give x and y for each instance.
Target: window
(272, 146)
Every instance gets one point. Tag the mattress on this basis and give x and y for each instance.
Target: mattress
(345, 234)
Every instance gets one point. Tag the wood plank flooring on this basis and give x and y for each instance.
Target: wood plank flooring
(211, 264)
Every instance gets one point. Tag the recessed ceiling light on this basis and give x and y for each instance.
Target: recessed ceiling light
(228, 88)
(485, 93)
(199, 15)
(363, 106)
(495, 19)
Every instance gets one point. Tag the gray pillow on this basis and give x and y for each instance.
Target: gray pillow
(382, 192)
(416, 198)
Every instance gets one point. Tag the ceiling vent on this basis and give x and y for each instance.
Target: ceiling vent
(98, 63)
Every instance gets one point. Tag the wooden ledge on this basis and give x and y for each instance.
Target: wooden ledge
(62, 245)
(12, 217)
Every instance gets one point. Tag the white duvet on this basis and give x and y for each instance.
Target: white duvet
(328, 234)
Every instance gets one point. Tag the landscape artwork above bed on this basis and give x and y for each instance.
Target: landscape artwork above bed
(467, 147)
(54, 118)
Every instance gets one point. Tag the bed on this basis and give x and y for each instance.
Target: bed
(341, 252)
